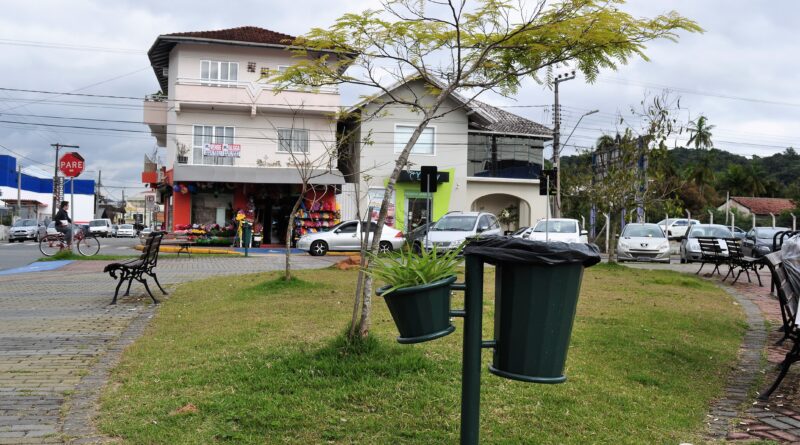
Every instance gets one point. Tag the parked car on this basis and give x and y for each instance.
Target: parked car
(114, 229)
(643, 242)
(100, 227)
(738, 233)
(453, 228)
(418, 234)
(347, 236)
(557, 229)
(676, 227)
(758, 241)
(51, 228)
(518, 233)
(125, 230)
(144, 232)
(24, 229)
(690, 247)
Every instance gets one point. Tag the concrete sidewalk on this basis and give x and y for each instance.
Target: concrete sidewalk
(59, 337)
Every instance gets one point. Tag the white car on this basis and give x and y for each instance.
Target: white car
(453, 228)
(126, 230)
(100, 227)
(556, 229)
(51, 228)
(347, 236)
(676, 227)
(643, 242)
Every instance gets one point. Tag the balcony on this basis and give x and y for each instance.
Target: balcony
(253, 97)
(155, 116)
(499, 156)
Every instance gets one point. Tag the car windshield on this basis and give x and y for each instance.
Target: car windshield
(126, 226)
(769, 232)
(642, 231)
(52, 225)
(710, 231)
(25, 223)
(520, 231)
(98, 222)
(455, 224)
(556, 227)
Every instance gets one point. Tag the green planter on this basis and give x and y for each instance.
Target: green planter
(534, 310)
(421, 313)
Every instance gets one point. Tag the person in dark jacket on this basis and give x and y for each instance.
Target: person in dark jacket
(63, 222)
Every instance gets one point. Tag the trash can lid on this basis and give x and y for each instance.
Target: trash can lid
(502, 249)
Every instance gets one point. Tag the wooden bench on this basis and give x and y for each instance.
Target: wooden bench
(787, 299)
(137, 269)
(737, 259)
(710, 253)
(183, 245)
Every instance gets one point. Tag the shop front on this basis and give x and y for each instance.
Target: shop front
(411, 205)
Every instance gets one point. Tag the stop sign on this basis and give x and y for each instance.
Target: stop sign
(71, 164)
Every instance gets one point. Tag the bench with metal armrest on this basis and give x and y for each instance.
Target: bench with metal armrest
(137, 269)
(737, 259)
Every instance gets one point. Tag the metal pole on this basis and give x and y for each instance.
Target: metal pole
(428, 210)
(727, 205)
(710, 217)
(733, 217)
(754, 220)
(471, 367)
(794, 222)
(773, 219)
(583, 223)
(19, 191)
(688, 214)
(608, 228)
(72, 207)
(547, 213)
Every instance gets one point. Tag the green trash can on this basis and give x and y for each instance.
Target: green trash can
(536, 293)
(247, 234)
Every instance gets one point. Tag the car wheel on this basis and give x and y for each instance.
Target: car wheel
(385, 247)
(318, 248)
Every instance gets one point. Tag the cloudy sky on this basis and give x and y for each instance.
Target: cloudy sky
(738, 73)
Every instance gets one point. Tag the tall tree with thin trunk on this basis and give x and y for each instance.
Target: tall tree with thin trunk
(468, 48)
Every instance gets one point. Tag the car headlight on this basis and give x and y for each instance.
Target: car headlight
(664, 247)
(763, 248)
(693, 245)
(624, 245)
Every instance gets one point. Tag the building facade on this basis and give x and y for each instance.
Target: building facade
(29, 194)
(231, 141)
(488, 159)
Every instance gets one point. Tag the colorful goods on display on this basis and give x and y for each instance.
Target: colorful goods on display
(316, 214)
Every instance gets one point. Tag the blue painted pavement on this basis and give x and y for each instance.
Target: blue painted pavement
(40, 266)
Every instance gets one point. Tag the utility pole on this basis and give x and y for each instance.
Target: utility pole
(58, 147)
(97, 191)
(19, 191)
(556, 136)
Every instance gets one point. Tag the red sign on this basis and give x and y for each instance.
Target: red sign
(71, 164)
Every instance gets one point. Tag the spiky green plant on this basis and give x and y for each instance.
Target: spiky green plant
(407, 269)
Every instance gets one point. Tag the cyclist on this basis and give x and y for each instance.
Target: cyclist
(64, 223)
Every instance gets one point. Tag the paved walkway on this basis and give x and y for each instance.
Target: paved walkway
(59, 337)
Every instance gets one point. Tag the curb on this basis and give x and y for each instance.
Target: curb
(197, 250)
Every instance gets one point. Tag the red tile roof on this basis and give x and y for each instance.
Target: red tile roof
(249, 34)
(765, 206)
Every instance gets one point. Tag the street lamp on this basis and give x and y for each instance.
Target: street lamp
(557, 157)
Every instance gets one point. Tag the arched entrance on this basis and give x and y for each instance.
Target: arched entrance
(495, 203)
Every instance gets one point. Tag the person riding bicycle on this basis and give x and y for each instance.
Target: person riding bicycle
(64, 223)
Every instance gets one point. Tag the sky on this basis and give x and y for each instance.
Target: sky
(737, 74)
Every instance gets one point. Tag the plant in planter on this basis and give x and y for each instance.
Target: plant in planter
(509, 216)
(417, 291)
(183, 153)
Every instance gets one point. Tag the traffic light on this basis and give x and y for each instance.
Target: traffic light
(548, 177)
(543, 178)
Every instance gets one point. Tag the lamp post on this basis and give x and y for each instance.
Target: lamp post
(557, 159)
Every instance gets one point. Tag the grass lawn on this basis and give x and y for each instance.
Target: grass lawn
(262, 361)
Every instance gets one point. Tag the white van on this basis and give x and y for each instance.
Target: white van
(100, 227)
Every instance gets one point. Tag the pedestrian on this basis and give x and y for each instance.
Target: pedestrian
(64, 222)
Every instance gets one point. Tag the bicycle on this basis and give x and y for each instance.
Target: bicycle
(88, 245)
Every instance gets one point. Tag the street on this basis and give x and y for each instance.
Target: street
(18, 254)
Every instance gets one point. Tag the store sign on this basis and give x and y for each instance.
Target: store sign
(222, 150)
(59, 189)
(416, 176)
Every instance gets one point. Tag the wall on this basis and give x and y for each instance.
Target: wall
(528, 190)
(450, 147)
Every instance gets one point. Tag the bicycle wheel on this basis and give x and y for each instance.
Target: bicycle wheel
(50, 245)
(89, 246)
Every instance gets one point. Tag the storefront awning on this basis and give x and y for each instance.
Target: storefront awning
(250, 175)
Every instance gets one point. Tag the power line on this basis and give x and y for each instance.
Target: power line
(54, 45)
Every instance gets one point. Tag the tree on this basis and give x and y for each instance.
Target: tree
(456, 48)
(701, 133)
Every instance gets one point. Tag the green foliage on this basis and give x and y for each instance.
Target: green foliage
(406, 269)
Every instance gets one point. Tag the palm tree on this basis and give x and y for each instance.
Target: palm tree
(701, 133)
(702, 173)
(755, 180)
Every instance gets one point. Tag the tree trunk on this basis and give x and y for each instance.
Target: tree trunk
(287, 275)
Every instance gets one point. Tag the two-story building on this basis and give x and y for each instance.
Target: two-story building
(232, 142)
(488, 159)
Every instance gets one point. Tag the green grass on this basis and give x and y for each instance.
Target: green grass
(264, 362)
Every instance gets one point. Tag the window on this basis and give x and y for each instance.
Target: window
(216, 73)
(425, 142)
(351, 227)
(293, 140)
(207, 134)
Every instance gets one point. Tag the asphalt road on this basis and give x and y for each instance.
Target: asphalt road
(18, 254)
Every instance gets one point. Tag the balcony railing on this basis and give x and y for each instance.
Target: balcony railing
(256, 87)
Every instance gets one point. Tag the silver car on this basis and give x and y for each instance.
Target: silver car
(690, 247)
(24, 229)
(347, 236)
(453, 228)
(643, 242)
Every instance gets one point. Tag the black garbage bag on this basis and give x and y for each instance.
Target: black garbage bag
(502, 249)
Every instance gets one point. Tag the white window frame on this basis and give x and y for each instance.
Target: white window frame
(215, 139)
(218, 81)
(398, 147)
(294, 140)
